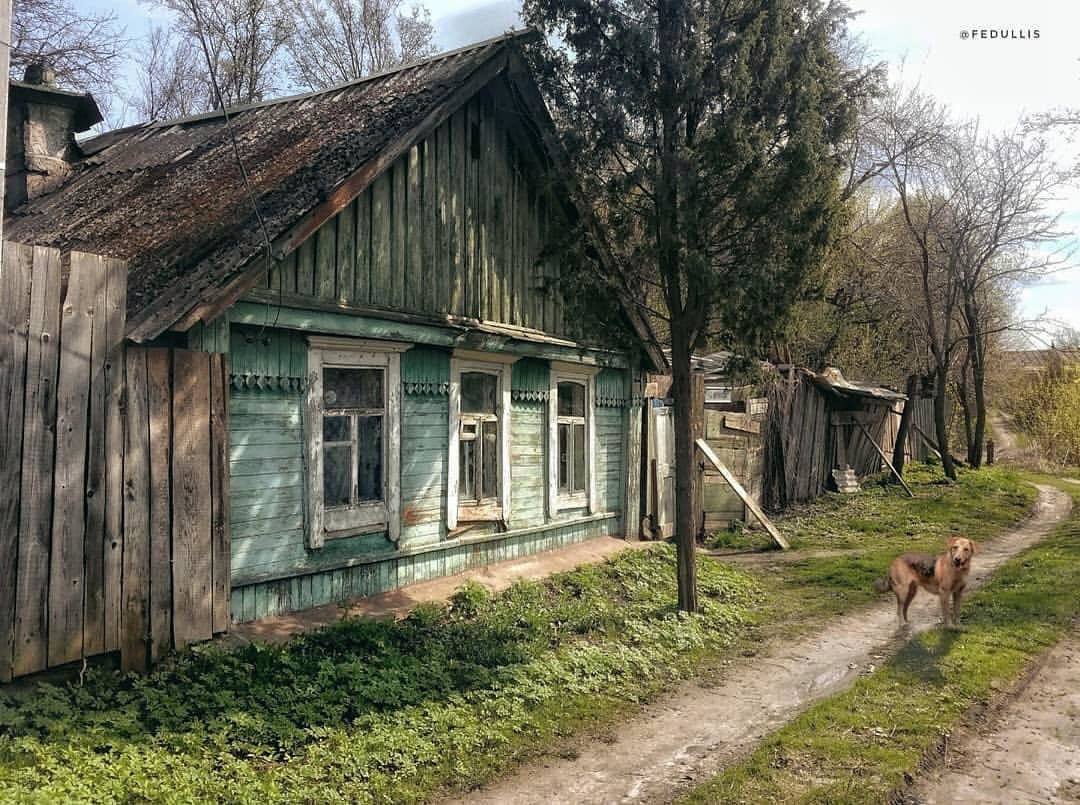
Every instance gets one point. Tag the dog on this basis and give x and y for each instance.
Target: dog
(944, 575)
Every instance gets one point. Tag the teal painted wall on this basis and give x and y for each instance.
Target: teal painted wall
(424, 442)
(610, 451)
(273, 572)
(528, 463)
(371, 577)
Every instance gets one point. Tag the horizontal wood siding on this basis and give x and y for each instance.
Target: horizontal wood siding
(528, 463)
(425, 419)
(610, 445)
(277, 597)
(456, 225)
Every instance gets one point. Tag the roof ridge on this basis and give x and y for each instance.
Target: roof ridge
(512, 34)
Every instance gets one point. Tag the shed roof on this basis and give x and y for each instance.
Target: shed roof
(168, 197)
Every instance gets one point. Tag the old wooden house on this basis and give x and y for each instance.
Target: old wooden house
(405, 396)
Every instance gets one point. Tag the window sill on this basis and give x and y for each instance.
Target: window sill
(357, 531)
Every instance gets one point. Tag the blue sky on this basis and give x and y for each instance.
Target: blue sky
(996, 81)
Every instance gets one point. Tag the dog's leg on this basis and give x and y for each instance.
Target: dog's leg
(946, 615)
(899, 610)
(913, 587)
(956, 606)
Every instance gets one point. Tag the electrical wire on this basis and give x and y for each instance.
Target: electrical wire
(269, 250)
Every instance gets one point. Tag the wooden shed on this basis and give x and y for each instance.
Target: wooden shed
(398, 395)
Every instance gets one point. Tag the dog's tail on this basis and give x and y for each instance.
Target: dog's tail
(882, 585)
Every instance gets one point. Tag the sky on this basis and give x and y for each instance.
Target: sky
(924, 43)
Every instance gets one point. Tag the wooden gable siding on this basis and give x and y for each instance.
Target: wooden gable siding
(456, 226)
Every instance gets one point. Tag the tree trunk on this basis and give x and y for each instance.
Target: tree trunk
(899, 453)
(941, 396)
(978, 376)
(685, 472)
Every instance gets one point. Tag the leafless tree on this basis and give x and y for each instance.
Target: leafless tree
(1000, 232)
(86, 49)
(334, 41)
(170, 77)
(244, 39)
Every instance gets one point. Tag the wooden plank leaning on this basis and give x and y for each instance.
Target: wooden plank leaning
(751, 504)
(885, 458)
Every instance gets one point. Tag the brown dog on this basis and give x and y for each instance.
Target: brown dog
(944, 575)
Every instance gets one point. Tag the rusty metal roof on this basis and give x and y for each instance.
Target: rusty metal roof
(168, 197)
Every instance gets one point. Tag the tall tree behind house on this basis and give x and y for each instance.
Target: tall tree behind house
(706, 138)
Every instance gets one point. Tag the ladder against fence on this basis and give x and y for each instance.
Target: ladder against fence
(102, 549)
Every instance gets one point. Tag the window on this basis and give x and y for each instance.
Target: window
(572, 438)
(478, 481)
(352, 422)
(573, 470)
(478, 475)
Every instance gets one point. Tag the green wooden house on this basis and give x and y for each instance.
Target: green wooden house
(407, 398)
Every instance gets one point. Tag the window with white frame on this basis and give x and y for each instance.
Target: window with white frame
(572, 438)
(478, 475)
(352, 421)
(573, 464)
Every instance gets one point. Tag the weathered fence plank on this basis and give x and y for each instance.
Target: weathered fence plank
(219, 498)
(159, 405)
(192, 587)
(113, 526)
(39, 442)
(14, 316)
(66, 571)
(135, 618)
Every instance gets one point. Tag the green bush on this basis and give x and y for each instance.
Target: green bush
(1047, 411)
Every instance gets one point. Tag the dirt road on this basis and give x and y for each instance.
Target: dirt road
(690, 735)
(1031, 753)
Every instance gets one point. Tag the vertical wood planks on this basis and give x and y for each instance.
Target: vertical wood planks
(412, 231)
(159, 409)
(325, 258)
(380, 241)
(362, 276)
(135, 620)
(346, 253)
(66, 580)
(105, 338)
(191, 541)
(398, 258)
(14, 317)
(457, 213)
(219, 480)
(112, 528)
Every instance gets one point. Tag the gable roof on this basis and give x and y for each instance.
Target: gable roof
(168, 197)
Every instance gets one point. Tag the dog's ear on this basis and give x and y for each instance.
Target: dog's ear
(974, 547)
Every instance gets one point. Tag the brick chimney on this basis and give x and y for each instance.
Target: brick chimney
(42, 124)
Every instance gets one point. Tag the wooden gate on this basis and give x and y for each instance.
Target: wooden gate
(82, 564)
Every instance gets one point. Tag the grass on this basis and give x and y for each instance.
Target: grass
(862, 745)
(371, 711)
(453, 696)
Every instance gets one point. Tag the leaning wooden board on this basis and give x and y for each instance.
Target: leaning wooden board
(707, 451)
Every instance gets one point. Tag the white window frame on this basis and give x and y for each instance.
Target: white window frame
(586, 376)
(501, 366)
(323, 523)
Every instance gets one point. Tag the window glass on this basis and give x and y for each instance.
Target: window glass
(369, 458)
(490, 470)
(579, 458)
(352, 388)
(335, 429)
(467, 475)
(571, 399)
(478, 392)
(337, 475)
(564, 457)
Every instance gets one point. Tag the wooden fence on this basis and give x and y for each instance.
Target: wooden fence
(113, 485)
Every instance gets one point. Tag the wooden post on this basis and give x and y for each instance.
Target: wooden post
(632, 502)
(884, 458)
(750, 503)
(135, 615)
